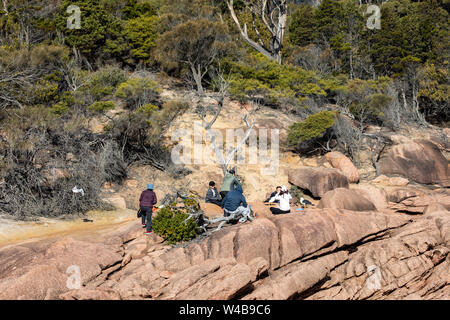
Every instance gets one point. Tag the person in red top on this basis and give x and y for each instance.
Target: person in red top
(146, 202)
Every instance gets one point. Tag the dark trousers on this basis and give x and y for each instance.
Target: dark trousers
(275, 201)
(278, 211)
(147, 217)
(217, 202)
(223, 194)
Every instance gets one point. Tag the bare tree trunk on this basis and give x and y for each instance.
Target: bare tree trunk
(278, 39)
(274, 17)
(207, 126)
(196, 73)
(405, 104)
(239, 146)
(375, 156)
(5, 7)
(380, 145)
(415, 104)
(351, 65)
(360, 136)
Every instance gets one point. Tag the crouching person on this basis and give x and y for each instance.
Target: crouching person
(146, 203)
(212, 195)
(235, 203)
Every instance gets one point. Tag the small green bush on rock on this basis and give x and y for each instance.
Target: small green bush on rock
(171, 224)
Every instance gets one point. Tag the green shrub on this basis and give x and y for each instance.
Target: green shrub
(141, 34)
(67, 97)
(170, 223)
(367, 99)
(191, 204)
(97, 25)
(59, 108)
(313, 127)
(258, 76)
(105, 81)
(302, 25)
(44, 91)
(102, 106)
(138, 91)
(109, 76)
(372, 107)
(135, 8)
(146, 110)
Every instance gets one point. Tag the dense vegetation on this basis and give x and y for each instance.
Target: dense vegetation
(174, 224)
(56, 83)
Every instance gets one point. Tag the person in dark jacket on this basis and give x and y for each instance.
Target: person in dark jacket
(146, 202)
(212, 195)
(234, 202)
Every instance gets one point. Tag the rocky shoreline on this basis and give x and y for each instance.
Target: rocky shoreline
(312, 254)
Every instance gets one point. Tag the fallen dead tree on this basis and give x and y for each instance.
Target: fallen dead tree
(192, 207)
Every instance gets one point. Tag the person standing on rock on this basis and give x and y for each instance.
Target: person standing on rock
(212, 195)
(284, 197)
(229, 183)
(146, 202)
(235, 203)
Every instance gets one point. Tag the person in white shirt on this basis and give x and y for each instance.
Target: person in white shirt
(284, 197)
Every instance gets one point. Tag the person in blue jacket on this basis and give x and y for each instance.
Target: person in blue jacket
(234, 203)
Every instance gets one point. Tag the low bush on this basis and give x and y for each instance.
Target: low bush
(313, 127)
(102, 106)
(105, 81)
(138, 91)
(173, 224)
(59, 108)
(313, 133)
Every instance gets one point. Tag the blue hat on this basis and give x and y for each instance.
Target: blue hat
(150, 186)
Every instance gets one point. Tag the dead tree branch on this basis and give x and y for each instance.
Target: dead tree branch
(273, 14)
(377, 150)
(195, 212)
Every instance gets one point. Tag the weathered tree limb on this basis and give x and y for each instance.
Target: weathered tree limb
(274, 17)
(239, 146)
(380, 145)
(199, 216)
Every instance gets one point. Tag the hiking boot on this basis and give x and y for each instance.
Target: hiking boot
(242, 220)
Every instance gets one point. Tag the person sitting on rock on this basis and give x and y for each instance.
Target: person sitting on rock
(146, 202)
(235, 203)
(230, 181)
(284, 197)
(212, 195)
(305, 203)
(273, 194)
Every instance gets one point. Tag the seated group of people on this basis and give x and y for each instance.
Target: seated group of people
(232, 200)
